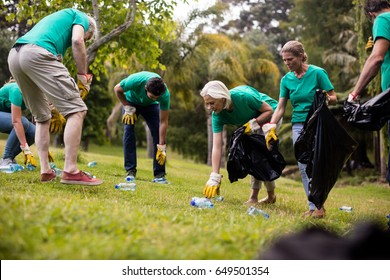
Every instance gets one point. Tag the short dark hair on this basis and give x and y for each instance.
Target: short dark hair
(374, 6)
(156, 86)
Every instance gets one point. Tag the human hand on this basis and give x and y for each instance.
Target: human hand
(28, 156)
(84, 83)
(353, 98)
(129, 117)
(161, 154)
(213, 185)
(269, 130)
(251, 126)
(50, 157)
(57, 122)
(369, 45)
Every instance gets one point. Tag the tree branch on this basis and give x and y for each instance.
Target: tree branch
(92, 49)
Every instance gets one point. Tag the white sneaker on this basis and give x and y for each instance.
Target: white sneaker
(6, 161)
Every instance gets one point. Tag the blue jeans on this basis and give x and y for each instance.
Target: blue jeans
(388, 161)
(296, 131)
(151, 115)
(12, 147)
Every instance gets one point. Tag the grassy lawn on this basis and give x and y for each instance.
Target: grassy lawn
(55, 221)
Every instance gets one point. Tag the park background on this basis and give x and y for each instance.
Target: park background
(234, 41)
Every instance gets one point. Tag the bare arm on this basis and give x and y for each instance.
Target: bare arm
(163, 126)
(279, 112)
(266, 114)
(16, 114)
(78, 49)
(121, 95)
(332, 97)
(216, 154)
(372, 65)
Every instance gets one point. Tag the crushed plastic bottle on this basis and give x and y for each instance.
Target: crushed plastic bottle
(219, 198)
(126, 186)
(201, 202)
(253, 211)
(92, 164)
(346, 208)
(11, 168)
(52, 165)
(57, 171)
(30, 167)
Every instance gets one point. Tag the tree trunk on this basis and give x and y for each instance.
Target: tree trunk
(149, 141)
(112, 119)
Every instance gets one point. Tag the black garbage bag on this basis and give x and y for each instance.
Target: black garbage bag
(324, 145)
(372, 115)
(248, 154)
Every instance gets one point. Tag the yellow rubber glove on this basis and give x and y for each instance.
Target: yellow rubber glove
(84, 83)
(57, 122)
(251, 126)
(129, 117)
(369, 45)
(50, 157)
(269, 130)
(161, 154)
(28, 156)
(213, 185)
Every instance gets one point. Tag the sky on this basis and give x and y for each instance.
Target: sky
(182, 10)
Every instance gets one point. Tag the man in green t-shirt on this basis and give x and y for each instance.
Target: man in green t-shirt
(35, 61)
(378, 12)
(145, 93)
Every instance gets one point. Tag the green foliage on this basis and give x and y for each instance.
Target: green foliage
(188, 133)
(53, 221)
(99, 103)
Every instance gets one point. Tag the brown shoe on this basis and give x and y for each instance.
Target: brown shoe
(48, 177)
(319, 213)
(307, 214)
(267, 200)
(81, 178)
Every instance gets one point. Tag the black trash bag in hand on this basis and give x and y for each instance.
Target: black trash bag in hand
(372, 115)
(248, 154)
(324, 145)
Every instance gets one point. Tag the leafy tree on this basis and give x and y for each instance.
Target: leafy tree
(116, 42)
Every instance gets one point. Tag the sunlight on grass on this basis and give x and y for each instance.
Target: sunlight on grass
(55, 221)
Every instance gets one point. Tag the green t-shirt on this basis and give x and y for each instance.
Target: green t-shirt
(301, 91)
(381, 29)
(246, 104)
(134, 88)
(11, 94)
(54, 32)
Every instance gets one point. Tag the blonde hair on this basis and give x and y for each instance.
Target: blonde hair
(217, 90)
(296, 48)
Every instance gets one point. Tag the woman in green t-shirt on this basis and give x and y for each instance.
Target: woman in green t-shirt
(21, 131)
(299, 86)
(242, 105)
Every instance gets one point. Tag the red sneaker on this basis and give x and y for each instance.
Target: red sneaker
(81, 178)
(48, 177)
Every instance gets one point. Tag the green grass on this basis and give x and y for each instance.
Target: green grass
(55, 221)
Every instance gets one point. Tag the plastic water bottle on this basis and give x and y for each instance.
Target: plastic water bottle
(126, 186)
(92, 164)
(253, 211)
(52, 165)
(57, 171)
(11, 168)
(219, 198)
(130, 178)
(346, 208)
(201, 202)
(30, 167)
